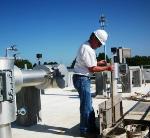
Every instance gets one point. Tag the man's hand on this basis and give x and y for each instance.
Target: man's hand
(102, 62)
(110, 68)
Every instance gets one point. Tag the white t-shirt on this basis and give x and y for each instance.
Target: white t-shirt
(86, 57)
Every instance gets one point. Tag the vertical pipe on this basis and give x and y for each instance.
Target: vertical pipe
(114, 93)
(7, 106)
(149, 132)
(5, 131)
(112, 100)
(114, 79)
(105, 52)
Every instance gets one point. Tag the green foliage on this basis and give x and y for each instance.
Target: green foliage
(138, 60)
(52, 63)
(101, 56)
(134, 61)
(20, 63)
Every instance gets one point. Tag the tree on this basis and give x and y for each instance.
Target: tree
(20, 63)
(101, 56)
(52, 63)
(138, 60)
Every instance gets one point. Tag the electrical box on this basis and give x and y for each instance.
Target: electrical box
(126, 52)
(123, 53)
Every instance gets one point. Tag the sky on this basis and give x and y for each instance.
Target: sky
(57, 28)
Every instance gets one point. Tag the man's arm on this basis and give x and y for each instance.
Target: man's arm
(102, 63)
(100, 68)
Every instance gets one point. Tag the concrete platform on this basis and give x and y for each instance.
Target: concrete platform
(60, 116)
(60, 113)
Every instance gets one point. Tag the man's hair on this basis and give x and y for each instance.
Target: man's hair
(92, 36)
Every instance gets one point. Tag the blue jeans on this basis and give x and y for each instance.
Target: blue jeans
(87, 115)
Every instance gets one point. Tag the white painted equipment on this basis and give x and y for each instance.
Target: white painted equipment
(12, 79)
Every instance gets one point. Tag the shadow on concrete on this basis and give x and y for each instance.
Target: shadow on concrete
(63, 95)
(74, 131)
(93, 94)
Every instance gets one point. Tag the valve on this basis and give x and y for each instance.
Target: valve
(22, 111)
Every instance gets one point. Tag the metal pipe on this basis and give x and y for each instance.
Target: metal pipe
(114, 79)
(7, 106)
(33, 77)
(42, 77)
(38, 77)
(5, 131)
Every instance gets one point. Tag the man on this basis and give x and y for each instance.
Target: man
(86, 63)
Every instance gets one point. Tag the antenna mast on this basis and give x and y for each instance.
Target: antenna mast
(102, 22)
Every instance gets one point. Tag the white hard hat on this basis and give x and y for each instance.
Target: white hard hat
(101, 35)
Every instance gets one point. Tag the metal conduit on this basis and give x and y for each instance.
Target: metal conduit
(39, 77)
(33, 77)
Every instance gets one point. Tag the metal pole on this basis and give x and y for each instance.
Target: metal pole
(7, 106)
(105, 52)
(102, 22)
(113, 91)
(114, 79)
(5, 131)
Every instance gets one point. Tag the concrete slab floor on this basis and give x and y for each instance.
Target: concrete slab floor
(60, 116)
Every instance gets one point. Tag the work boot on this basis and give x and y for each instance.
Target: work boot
(83, 134)
(94, 130)
(89, 135)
